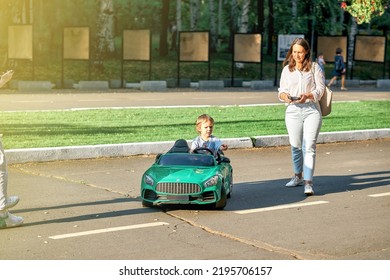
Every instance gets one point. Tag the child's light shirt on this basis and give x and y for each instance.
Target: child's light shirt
(213, 143)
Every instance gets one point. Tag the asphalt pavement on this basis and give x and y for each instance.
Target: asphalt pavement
(90, 208)
(71, 99)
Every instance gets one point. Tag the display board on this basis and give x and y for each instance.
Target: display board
(284, 44)
(20, 42)
(76, 43)
(194, 46)
(370, 48)
(247, 48)
(136, 45)
(327, 45)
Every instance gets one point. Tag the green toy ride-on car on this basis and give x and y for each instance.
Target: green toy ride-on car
(200, 177)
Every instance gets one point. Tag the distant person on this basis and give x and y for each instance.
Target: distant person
(302, 84)
(7, 220)
(204, 126)
(339, 69)
(321, 61)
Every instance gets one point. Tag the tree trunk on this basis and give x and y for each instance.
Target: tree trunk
(213, 26)
(105, 30)
(18, 12)
(244, 18)
(351, 43)
(233, 21)
(194, 10)
(294, 15)
(271, 28)
(244, 23)
(294, 8)
(178, 15)
(164, 28)
(219, 28)
(333, 16)
(260, 16)
(104, 33)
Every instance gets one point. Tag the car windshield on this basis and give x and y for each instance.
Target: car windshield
(187, 159)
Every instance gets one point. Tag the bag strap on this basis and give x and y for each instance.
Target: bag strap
(314, 76)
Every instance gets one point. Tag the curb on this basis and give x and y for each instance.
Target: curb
(15, 156)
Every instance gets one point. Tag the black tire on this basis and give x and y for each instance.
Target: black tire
(231, 186)
(219, 205)
(147, 204)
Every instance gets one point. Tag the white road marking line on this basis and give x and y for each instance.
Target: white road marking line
(104, 230)
(379, 194)
(96, 100)
(31, 101)
(286, 206)
(149, 99)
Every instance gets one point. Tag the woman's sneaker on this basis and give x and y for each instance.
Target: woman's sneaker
(11, 201)
(309, 189)
(295, 181)
(10, 221)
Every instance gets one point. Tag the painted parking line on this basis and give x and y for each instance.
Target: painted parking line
(379, 194)
(280, 207)
(104, 230)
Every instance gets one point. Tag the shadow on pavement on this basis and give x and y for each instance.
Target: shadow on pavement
(250, 195)
(261, 194)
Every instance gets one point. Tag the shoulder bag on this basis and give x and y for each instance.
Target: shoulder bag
(326, 100)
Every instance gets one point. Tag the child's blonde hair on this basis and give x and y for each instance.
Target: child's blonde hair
(201, 119)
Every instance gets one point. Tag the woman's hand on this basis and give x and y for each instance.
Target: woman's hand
(304, 97)
(285, 97)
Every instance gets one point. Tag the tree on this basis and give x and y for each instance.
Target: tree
(260, 16)
(195, 12)
(364, 11)
(271, 27)
(244, 16)
(164, 28)
(105, 29)
(213, 26)
(220, 17)
(178, 15)
(351, 43)
(294, 14)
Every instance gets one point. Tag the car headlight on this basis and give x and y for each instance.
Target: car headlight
(211, 182)
(148, 180)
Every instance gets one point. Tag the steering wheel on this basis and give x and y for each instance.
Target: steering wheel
(207, 151)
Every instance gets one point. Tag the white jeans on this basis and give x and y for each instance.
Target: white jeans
(3, 178)
(303, 122)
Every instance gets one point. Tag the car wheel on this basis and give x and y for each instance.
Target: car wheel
(146, 204)
(231, 186)
(222, 202)
(229, 195)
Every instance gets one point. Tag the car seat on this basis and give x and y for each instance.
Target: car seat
(180, 146)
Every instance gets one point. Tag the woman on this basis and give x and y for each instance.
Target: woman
(301, 86)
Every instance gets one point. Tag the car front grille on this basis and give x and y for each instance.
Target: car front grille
(178, 188)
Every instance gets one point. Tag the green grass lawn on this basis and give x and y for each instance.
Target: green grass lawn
(113, 126)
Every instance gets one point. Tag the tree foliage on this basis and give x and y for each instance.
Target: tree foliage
(222, 17)
(365, 10)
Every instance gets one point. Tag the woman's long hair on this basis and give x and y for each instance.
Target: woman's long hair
(306, 65)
